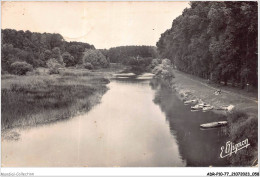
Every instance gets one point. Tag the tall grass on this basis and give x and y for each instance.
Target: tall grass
(241, 126)
(31, 101)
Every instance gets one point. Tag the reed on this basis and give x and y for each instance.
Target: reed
(242, 126)
(32, 100)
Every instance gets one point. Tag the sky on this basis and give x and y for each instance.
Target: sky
(103, 24)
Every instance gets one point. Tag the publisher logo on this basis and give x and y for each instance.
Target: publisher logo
(231, 148)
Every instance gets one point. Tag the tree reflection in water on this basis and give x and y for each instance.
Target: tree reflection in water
(197, 147)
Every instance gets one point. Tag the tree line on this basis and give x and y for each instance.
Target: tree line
(122, 54)
(24, 50)
(36, 49)
(215, 40)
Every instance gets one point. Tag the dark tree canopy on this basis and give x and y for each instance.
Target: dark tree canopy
(37, 48)
(216, 40)
(122, 53)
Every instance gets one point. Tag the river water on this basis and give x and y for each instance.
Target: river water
(137, 124)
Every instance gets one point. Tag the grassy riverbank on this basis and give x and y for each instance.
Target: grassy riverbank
(242, 120)
(38, 99)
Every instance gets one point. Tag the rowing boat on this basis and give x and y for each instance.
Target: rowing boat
(213, 124)
(190, 102)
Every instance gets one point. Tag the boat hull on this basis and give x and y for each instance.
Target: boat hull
(214, 124)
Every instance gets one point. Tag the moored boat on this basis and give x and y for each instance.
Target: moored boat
(190, 101)
(214, 124)
(196, 107)
(207, 108)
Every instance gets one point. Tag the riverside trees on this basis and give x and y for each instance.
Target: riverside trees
(37, 48)
(214, 40)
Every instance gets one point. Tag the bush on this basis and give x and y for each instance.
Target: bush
(164, 70)
(88, 66)
(21, 68)
(139, 64)
(79, 66)
(95, 58)
(57, 55)
(68, 59)
(241, 127)
(166, 62)
(53, 66)
(154, 63)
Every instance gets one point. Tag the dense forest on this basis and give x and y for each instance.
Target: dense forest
(215, 40)
(139, 58)
(24, 50)
(123, 53)
(36, 49)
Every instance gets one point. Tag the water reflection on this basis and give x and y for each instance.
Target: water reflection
(127, 129)
(136, 125)
(197, 147)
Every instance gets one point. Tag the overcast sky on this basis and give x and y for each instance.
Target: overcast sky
(103, 24)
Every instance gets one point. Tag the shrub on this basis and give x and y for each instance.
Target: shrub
(164, 70)
(237, 116)
(21, 68)
(154, 63)
(139, 64)
(240, 127)
(88, 66)
(96, 58)
(80, 66)
(68, 59)
(57, 55)
(166, 62)
(53, 66)
(4, 72)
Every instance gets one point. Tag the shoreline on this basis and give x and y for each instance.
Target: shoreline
(81, 91)
(189, 89)
(242, 119)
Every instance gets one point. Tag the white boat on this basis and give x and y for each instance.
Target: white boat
(213, 124)
(196, 107)
(190, 101)
(207, 108)
(226, 108)
(204, 105)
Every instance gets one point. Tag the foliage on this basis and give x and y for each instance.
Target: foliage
(68, 59)
(214, 40)
(77, 49)
(53, 66)
(241, 127)
(155, 62)
(164, 70)
(57, 55)
(123, 53)
(88, 65)
(20, 68)
(95, 58)
(37, 48)
(139, 64)
(43, 99)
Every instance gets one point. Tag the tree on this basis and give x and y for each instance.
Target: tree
(53, 66)
(57, 55)
(122, 53)
(36, 48)
(20, 68)
(68, 59)
(215, 40)
(96, 58)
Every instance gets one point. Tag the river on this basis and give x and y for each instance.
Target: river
(137, 124)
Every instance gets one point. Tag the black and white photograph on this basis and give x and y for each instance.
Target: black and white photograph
(129, 84)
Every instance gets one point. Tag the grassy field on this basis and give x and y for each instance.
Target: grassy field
(242, 120)
(38, 99)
